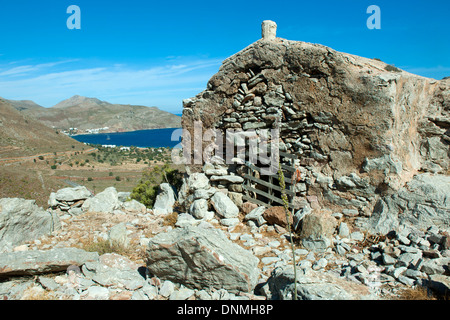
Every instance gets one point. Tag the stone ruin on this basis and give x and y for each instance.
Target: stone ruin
(353, 132)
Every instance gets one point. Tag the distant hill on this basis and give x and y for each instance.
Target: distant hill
(91, 113)
(21, 135)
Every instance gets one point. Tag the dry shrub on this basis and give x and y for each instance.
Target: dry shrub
(170, 219)
(417, 293)
(105, 246)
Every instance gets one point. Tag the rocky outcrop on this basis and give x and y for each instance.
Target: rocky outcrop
(22, 220)
(422, 203)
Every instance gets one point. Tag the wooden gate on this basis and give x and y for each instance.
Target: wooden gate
(265, 190)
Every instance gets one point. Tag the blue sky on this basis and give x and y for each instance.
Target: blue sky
(157, 53)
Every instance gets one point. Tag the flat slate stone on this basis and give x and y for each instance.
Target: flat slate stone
(40, 261)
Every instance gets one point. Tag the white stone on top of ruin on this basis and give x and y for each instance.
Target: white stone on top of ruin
(269, 30)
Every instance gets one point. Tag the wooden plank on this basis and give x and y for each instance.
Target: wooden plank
(259, 202)
(256, 201)
(285, 167)
(266, 184)
(253, 167)
(265, 194)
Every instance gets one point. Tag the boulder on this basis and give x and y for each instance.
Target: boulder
(73, 194)
(224, 206)
(22, 220)
(198, 181)
(277, 215)
(164, 200)
(43, 261)
(134, 206)
(202, 258)
(199, 208)
(112, 269)
(317, 230)
(106, 201)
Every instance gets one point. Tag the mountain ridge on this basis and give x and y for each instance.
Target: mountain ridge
(90, 114)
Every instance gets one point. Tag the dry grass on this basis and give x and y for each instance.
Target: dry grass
(417, 293)
(170, 219)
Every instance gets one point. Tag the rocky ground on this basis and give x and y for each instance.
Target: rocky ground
(251, 259)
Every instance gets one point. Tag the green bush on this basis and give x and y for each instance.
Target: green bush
(147, 189)
(392, 68)
(53, 167)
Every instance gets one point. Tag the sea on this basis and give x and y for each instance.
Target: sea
(154, 138)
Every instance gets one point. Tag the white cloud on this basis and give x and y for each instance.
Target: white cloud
(164, 86)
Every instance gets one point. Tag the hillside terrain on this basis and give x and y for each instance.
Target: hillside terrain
(90, 115)
(21, 135)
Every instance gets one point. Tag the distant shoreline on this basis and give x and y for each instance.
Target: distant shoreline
(114, 132)
(147, 138)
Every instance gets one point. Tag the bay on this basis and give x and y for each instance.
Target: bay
(154, 138)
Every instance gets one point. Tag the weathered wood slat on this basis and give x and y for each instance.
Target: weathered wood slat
(256, 201)
(285, 167)
(267, 184)
(287, 180)
(265, 194)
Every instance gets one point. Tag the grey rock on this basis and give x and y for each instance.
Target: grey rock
(114, 270)
(48, 283)
(41, 262)
(97, 293)
(199, 208)
(384, 217)
(204, 193)
(300, 214)
(202, 258)
(256, 215)
(228, 179)
(167, 288)
(185, 219)
(440, 283)
(229, 222)
(314, 285)
(182, 294)
(134, 206)
(22, 220)
(350, 212)
(117, 235)
(343, 230)
(388, 260)
(106, 201)
(123, 196)
(165, 200)
(224, 206)
(73, 194)
(198, 181)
